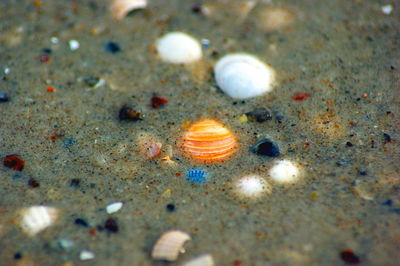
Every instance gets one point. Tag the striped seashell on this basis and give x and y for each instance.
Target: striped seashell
(37, 218)
(169, 245)
(209, 141)
(202, 260)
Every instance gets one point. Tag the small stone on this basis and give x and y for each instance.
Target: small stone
(157, 102)
(265, 147)
(362, 172)
(129, 112)
(387, 9)
(33, 183)
(73, 45)
(349, 257)
(259, 114)
(4, 97)
(387, 138)
(86, 255)
(17, 256)
(13, 162)
(68, 142)
(170, 207)
(112, 47)
(114, 207)
(91, 81)
(349, 144)
(81, 222)
(75, 182)
(111, 225)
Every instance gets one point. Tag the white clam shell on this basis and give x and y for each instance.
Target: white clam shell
(284, 171)
(169, 245)
(178, 48)
(202, 260)
(120, 8)
(243, 76)
(37, 218)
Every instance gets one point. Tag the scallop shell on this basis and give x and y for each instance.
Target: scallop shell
(202, 260)
(243, 76)
(120, 8)
(178, 48)
(209, 141)
(169, 245)
(37, 218)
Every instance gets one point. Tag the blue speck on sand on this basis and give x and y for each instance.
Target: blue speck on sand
(196, 176)
(68, 142)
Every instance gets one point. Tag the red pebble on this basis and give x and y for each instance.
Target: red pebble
(300, 96)
(44, 58)
(51, 89)
(237, 262)
(13, 162)
(349, 257)
(158, 101)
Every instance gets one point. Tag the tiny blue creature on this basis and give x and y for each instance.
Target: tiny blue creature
(196, 176)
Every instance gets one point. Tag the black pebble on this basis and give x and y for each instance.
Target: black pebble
(170, 207)
(81, 222)
(17, 256)
(362, 172)
(75, 182)
(111, 225)
(389, 203)
(112, 47)
(349, 144)
(266, 147)
(46, 50)
(259, 114)
(4, 97)
(129, 112)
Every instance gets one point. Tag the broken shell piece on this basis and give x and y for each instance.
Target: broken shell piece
(37, 218)
(169, 245)
(149, 146)
(120, 8)
(202, 260)
(114, 207)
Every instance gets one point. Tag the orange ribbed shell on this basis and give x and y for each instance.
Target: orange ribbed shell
(209, 140)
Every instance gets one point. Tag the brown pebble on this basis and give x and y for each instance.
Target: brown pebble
(33, 183)
(111, 225)
(129, 112)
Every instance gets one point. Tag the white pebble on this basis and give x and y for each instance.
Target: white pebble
(178, 48)
(387, 9)
(6, 70)
(114, 207)
(252, 186)
(37, 218)
(243, 76)
(86, 255)
(284, 171)
(73, 45)
(54, 40)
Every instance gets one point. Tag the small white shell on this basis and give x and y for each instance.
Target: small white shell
(243, 76)
(178, 48)
(202, 260)
(169, 245)
(37, 218)
(251, 186)
(114, 207)
(284, 171)
(120, 8)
